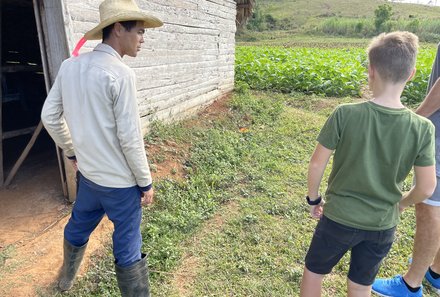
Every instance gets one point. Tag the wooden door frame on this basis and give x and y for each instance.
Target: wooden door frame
(55, 50)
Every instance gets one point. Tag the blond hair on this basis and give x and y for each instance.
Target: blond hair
(393, 55)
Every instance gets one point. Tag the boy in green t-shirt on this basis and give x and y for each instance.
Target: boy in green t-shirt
(376, 144)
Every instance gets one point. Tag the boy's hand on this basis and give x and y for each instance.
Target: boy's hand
(316, 211)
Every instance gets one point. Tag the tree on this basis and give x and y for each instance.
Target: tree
(382, 15)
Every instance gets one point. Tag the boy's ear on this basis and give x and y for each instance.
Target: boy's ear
(370, 71)
(412, 74)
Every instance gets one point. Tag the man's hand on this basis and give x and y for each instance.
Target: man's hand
(316, 211)
(147, 197)
(74, 164)
(401, 208)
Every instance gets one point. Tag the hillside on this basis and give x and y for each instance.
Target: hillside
(299, 22)
(301, 13)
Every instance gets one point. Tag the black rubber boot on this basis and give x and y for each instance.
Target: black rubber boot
(133, 280)
(72, 259)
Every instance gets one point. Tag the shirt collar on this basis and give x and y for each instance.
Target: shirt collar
(102, 47)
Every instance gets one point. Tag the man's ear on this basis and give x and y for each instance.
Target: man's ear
(412, 74)
(118, 29)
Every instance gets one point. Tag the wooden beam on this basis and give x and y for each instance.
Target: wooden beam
(24, 154)
(15, 133)
(21, 68)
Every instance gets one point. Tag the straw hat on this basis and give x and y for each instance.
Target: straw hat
(113, 11)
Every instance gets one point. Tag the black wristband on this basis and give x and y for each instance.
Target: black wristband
(314, 202)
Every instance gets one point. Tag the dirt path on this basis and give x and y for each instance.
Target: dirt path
(36, 264)
(33, 213)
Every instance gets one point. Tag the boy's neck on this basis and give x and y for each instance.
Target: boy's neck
(388, 95)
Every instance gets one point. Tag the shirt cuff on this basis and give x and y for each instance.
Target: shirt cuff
(147, 188)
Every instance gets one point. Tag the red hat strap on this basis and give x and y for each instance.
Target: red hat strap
(78, 46)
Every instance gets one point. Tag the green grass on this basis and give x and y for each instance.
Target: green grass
(239, 214)
(292, 39)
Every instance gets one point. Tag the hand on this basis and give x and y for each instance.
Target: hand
(401, 208)
(74, 164)
(316, 211)
(147, 197)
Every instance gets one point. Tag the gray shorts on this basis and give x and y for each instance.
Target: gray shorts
(434, 200)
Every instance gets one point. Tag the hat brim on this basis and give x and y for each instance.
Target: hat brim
(148, 20)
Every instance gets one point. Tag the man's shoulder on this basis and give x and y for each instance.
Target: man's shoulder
(103, 62)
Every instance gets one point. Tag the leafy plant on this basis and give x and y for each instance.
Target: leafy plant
(382, 15)
(329, 72)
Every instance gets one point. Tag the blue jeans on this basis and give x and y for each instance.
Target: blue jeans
(123, 208)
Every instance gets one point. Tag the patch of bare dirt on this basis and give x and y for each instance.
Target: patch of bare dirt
(33, 213)
(218, 109)
(167, 159)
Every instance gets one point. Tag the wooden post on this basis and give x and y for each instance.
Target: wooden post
(71, 179)
(53, 46)
(1, 138)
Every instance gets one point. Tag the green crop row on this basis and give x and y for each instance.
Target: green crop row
(327, 72)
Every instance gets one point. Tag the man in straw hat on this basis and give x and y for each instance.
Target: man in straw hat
(91, 113)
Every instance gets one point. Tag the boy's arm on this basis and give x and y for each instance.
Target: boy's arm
(424, 186)
(317, 165)
(432, 101)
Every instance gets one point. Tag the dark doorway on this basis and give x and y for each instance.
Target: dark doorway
(34, 199)
(22, 86)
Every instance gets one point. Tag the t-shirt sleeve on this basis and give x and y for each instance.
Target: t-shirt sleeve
(426, 155)
(331, 131)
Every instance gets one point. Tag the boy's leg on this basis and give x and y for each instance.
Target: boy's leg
(436, 264)
(311, 284)
(330, 242)
(426, 242)
(357, 290)
(366, 258)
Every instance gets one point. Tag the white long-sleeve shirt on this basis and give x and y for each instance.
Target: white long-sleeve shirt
(91, 112)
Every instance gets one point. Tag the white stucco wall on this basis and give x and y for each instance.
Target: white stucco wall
(184, 65)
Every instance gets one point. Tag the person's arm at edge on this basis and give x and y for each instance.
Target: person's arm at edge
(432, 101)
(425, 183)
(317, 165)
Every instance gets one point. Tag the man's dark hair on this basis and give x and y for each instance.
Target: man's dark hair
(128, 25)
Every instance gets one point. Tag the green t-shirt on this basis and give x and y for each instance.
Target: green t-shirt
(375, 149)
